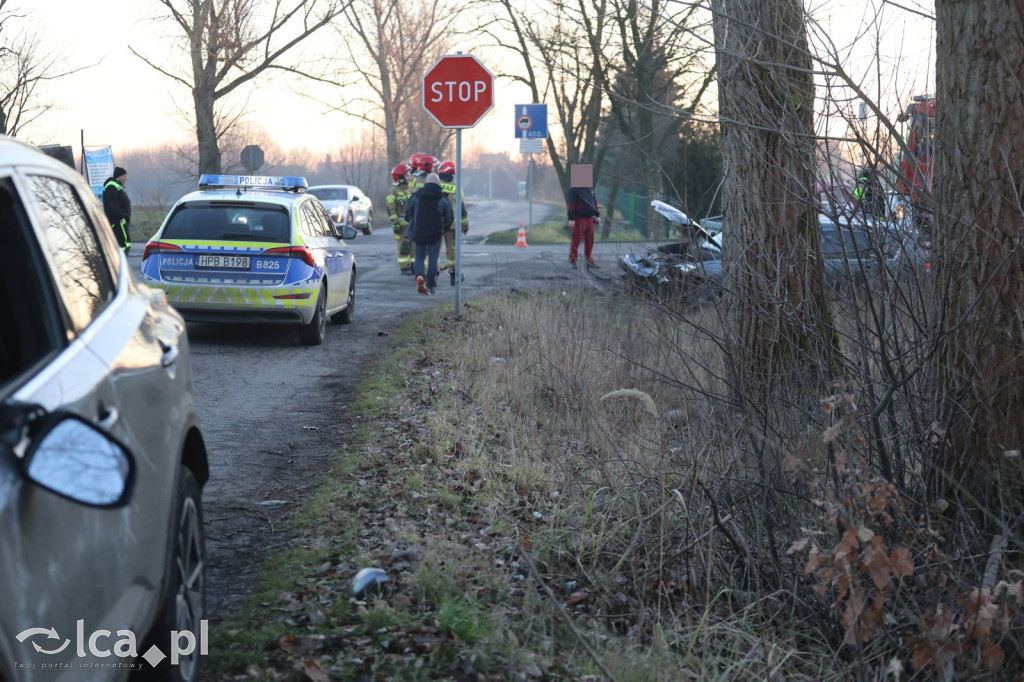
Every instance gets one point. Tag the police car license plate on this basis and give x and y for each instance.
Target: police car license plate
(223, 261)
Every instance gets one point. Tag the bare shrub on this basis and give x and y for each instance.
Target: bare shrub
(645, 504)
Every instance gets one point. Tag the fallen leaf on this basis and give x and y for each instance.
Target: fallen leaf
(313, 670)
(798, 545)
(288, 644)
(576, 597)
(902, 562)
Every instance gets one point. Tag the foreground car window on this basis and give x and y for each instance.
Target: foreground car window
(31, 327)
(230, 222)
(81, 270)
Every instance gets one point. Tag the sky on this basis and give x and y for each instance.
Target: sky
(122, 102)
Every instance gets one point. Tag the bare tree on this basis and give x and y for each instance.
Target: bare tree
(229, 44)
(656, 84)
(773, 261)
(25, 67)
(979, 254)
(563, 58)
(395, 42)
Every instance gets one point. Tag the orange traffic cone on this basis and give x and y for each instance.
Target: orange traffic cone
(521, 239)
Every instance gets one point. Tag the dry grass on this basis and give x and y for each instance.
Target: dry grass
(659, 512)
(603, 431)
(563, 486)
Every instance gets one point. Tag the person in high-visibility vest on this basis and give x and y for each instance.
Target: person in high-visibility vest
(118, 207)
(446, 171)
(868, 195)
(397, 198)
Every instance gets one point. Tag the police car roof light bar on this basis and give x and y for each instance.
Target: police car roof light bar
(282, 182)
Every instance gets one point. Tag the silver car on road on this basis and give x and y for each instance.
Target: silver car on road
(347, 205)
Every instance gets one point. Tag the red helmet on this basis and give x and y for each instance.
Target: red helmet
(398, 171)
(415, 160)
(446, 168)
(427, 163)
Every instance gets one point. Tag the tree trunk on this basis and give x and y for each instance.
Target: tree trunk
(979, 256)
(773, 267)
(206, 132)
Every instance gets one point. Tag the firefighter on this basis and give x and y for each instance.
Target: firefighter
(446, 171)
(397, 198)
(421, 165)
(860, 190)
(868, 194)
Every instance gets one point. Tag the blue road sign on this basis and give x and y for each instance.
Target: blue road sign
(532, 121)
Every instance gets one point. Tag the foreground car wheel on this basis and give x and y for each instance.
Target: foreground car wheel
(184, 600)
(346, 315)
(313, 333)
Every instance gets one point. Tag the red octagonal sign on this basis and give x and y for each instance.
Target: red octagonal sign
(458, 91)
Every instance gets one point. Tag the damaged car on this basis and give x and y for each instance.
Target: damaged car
(692, 267)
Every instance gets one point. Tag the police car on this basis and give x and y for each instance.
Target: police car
(255, 249)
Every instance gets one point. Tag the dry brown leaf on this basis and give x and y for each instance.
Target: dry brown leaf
(847, 545)
(922, 657)
(798, 545)
(992, 655)
(313, 670)
(288, 644)
(876, 563)
(902, 562)
(576, 597)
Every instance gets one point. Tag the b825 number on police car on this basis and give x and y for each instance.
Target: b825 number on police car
(269, 264)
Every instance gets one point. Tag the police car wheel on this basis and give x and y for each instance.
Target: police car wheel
(346, 315)
(313, 333)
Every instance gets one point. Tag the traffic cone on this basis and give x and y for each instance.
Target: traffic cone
(521, 239)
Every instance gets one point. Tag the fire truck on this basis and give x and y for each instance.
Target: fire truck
(916, 178)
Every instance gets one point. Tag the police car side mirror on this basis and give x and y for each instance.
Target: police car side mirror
(348, 232)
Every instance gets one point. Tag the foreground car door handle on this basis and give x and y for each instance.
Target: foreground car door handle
(170, 354)
(107, 417)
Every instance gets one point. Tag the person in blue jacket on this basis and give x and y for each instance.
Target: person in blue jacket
(428, 213)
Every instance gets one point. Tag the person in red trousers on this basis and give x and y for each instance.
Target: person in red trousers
(582, 210)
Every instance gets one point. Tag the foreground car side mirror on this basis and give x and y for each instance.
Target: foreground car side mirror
(74, 459)
(348, 232)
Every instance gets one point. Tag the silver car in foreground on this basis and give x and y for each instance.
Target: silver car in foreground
(101, 460)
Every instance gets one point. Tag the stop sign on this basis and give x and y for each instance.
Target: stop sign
(458, 91)
(252, 158)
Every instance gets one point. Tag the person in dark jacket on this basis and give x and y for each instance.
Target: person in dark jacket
(118, 207)
(582, 210)
(428, 214)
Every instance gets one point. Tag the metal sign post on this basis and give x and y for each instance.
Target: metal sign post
(531, 131)
(458, 221)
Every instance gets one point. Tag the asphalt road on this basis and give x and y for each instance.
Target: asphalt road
(273, 410)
